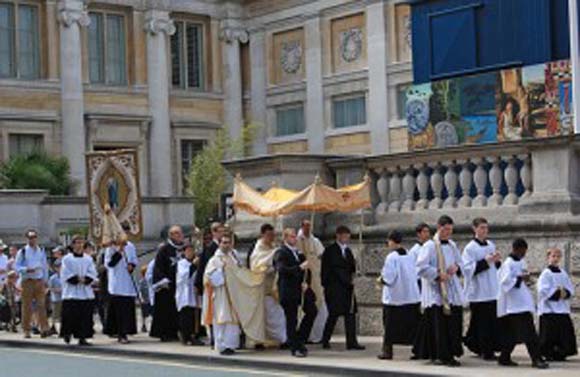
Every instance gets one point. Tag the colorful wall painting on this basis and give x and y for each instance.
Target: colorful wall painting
(507, 105)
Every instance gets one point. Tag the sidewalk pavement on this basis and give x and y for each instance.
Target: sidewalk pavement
(336, 361)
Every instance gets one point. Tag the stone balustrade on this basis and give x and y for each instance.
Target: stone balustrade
(490, 180)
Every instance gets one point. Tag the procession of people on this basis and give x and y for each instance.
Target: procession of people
(289, 293)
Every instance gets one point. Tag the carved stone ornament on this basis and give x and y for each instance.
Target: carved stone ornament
(351, 43)
(156, 25)
(446, 134)
(291, 56)
(230, 34)
(71, 12)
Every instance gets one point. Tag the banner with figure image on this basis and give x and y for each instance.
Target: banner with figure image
(113, 180)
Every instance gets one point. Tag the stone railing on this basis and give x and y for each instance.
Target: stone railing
(489, 179)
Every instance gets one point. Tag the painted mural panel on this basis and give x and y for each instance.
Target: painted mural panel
(512, 104)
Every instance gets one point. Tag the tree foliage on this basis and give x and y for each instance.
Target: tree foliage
(37, 171)
(208, 179)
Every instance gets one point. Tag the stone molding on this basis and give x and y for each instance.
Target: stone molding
(73, 11)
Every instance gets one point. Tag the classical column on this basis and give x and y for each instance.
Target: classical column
(394, 190)
(232, 35)
(159, 27)
(258, 90)
(423, 187)
(496, 181)
(72, 15)
(511, 176)
(450, 179)
(378, 115)
(409, 185)
(314, 93)
(465, 180)
(526, 175)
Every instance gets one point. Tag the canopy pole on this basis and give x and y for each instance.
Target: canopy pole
(360, 234)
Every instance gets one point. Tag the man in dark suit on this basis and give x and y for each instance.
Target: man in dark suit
(294, 291)
(337, 275)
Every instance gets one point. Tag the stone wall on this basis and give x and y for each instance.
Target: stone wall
(24, 209)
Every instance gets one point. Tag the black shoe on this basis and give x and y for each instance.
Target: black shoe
(414, 357)
(83, 342)
(356, 347)
(260, 347)
(143, 328)
(507, 363)
(66, 339)
(385, 356)
(326, 345)
(197, 342)
(35, 331)
(284, 346)
(300, 353)
(540, 364)
(453, 363)
(123, 340)
(227, 352)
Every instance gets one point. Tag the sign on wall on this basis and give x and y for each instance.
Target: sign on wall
(507, 105)
(113, 180)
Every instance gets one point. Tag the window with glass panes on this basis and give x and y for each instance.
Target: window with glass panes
(19, 40)
(107, 48)
(290, 120)
(187, 55)
(189, 149)
(349, 111)
(21, 144)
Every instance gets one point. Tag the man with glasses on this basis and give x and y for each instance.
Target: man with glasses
(32, 266)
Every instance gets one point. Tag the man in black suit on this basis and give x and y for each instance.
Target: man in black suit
(294, 291)
(337, 275)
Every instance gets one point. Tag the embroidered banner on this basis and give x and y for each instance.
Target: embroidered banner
(113, 179)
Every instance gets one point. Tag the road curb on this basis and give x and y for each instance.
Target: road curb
(212, 360)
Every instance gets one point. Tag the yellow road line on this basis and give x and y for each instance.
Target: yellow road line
(154, 362)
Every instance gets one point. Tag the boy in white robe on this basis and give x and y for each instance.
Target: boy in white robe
(439, 265)
(423, 232)
(225, 322)
(185, 296)
(77, 273)
(401, 297)
(481, 261)
(120, 260)
(515, 308)
(555, 290)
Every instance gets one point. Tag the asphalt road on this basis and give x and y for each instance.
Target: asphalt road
(40, 363)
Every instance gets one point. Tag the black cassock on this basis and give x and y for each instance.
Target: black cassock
(165, 324)
(337, 272)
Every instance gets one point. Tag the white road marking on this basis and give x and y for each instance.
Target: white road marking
(154, 362)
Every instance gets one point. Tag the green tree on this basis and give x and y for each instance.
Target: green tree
(208, 179)
(37, 171)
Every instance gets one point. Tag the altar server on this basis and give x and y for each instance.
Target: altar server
(439, 265)
(481, 261)
(219, 306)
(401, 297)
(77, 273)
(555, 290)
(185, 296)
(515, 308)
(423, 233)
(121, 260)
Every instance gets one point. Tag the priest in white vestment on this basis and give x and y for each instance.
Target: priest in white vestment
(262, 265)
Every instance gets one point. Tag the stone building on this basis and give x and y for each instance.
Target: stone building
(162, 76)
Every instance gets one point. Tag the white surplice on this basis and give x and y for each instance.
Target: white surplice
(81, 267)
